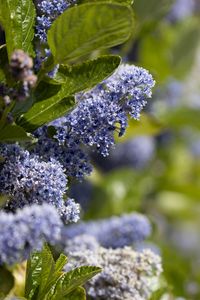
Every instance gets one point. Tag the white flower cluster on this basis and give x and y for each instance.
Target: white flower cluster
(126, 274)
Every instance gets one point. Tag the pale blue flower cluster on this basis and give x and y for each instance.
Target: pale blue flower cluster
(104, 110)
(83, 241)
(27, 230)
(115, 232)
(26, 179)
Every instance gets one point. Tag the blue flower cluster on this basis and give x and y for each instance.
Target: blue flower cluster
(99, 114)
(27, 230)
(131, 85)
(27, 180)
(115, 232)
(94, 121)
(103, 110)
(49, 10)
(70, 153)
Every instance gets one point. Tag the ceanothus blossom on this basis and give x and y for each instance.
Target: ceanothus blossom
(126, 274)
(114, 232)
(27, 179)
(69, 153)
(94, 121)
(104, 110)
(27, 230)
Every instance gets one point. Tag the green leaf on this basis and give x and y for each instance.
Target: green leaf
(46, 90)
(6, 282)
(60, 263)
(23, 106)
(33, 271)
(86, 75)
(47, 270)
(45, 111)
(88, 27)
(42, 92)
(42, 273)
(18, 19)
(12, 133)
(50, 271)
(73, 279)
(77, 294)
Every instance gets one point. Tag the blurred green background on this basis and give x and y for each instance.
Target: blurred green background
(155, 168)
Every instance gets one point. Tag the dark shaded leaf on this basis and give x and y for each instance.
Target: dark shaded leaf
(3, 63)
(13, 133)
(6, 282)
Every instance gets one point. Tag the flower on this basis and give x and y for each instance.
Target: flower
(27, 180)
(103, 111)
(69, 153)
(26, 230)
(126, 274)
(114, 232)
